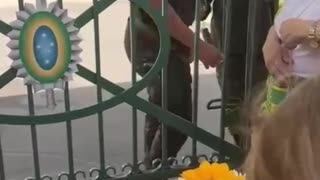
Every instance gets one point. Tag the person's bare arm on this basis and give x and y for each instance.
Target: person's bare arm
(177, 28)
(181, 32)
(295, 31)
(277, 58)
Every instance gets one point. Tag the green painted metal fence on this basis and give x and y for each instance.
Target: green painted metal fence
(228, 152)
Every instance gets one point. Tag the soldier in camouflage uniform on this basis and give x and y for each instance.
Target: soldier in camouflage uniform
(179, 77)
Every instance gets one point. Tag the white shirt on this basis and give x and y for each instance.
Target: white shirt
(306, 59)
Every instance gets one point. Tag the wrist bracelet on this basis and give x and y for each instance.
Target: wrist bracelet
(317, 31)
(312, 31)
(313, 35)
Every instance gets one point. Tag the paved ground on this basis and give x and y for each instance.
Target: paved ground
(52, 144)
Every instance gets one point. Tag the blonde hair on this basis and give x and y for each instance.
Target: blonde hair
(286, 144)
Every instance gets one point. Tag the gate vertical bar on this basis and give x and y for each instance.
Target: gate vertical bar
(33, 127)
(255, 7)
(227, 5)
(68, 124)
(69, 133)
(2, 172)
(20, 4)
(34, 134)
(251, 54)
(99, 90)
(195, 91)
(164, 100)
(133, 40)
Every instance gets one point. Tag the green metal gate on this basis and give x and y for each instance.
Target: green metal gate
(223, 151)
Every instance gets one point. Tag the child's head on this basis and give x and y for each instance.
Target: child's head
(286, 146)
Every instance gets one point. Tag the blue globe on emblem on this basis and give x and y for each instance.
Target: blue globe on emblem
(45, 47)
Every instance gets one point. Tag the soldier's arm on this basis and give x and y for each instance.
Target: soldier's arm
(181, 32)
(177, 28)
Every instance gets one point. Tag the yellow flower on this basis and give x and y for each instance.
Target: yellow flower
(207, 171)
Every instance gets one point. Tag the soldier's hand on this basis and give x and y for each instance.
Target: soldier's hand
(209, 55)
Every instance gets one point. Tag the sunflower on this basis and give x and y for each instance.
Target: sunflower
(215, 171)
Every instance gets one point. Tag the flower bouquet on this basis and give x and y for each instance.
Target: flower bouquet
(215, 171)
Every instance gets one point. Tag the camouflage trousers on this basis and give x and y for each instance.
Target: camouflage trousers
(179, 99)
